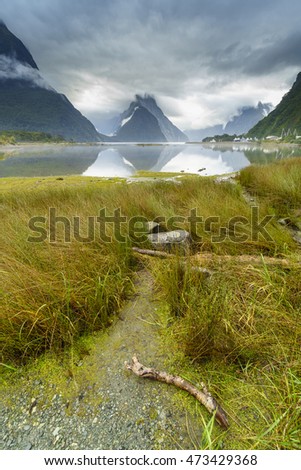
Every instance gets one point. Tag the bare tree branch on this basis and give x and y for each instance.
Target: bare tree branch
(203, 397)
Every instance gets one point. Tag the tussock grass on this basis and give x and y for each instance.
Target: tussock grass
(278, 183)
(240, 314)
(52, 292)
(238, 330)
(240, 333)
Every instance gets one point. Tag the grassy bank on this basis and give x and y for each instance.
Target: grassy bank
(60, 286)
(239, 330)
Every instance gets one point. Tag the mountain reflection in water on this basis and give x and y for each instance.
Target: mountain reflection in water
(123, 160)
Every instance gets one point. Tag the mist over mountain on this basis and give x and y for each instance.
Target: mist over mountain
(241, 123)
(168, 131)
(197, 135)
(247, 117)
(286, 117)
(29, 103)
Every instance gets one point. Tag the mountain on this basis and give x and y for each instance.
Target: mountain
(169, 131)
(246, 118)
(197, 135)
(239, 124)
(28, 103)
(286, 117)
(141, 126)
(11, 46)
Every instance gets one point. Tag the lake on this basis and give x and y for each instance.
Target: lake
(124, 160)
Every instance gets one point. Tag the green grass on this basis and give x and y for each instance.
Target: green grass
(238, 331)
(279, 184)
(52, 293)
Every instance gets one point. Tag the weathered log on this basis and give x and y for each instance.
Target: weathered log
(160, 254)
(245, 259)
(163, 254)
(204, 397)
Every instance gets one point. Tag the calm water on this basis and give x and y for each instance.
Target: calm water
(125, 159)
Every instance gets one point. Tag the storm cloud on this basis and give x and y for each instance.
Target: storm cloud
(202, 59)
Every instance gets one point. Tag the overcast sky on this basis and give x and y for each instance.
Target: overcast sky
(201, 59)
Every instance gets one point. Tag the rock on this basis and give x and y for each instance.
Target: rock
(293, 228)
(56, 431)
(27, 446)
(297, 237)
(284, 222)
(287, 222)
(152, 227)
(169, 240)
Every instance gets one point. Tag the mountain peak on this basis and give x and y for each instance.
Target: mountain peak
(12, 48)
(169, 130)
(141, 126)
(28, 103)
(160, 129)
(146, 96)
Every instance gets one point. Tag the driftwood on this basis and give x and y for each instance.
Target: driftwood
(244, 259)
(204, 397)
(211, 257)
(158, 253)
(162, 254)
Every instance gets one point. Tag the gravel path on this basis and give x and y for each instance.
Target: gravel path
(112, 408)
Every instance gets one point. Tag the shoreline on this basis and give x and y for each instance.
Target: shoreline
(99, 144)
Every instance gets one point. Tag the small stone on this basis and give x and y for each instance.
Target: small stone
(297, 237)
(27, 446)
(284, 221)
(56, 431)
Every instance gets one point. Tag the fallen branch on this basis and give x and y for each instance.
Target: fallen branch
(203, 397)
(162, 254)
(211, 257)
(244, 259)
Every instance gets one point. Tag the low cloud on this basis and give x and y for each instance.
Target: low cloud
(11, 69)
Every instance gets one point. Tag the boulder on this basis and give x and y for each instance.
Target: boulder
(169, 241)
